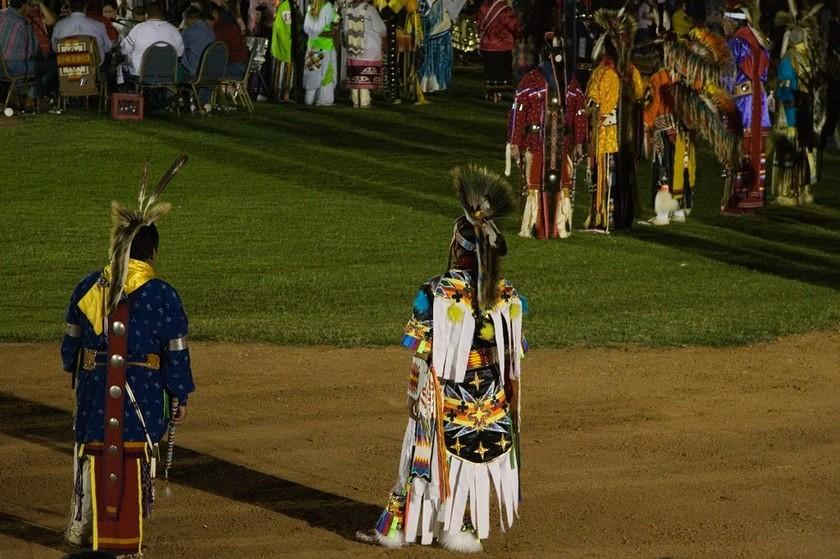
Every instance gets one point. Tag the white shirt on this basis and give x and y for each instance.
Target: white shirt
(145, 34)
(78, 23)
(645, 15)
(374, 29)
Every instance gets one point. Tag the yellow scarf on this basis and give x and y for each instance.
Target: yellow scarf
(93, 302)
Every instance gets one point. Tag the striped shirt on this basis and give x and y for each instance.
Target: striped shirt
(17, 39)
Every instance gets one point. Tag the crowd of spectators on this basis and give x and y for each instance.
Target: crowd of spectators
(30, 32)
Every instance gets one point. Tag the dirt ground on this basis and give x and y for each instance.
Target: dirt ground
(683, 453)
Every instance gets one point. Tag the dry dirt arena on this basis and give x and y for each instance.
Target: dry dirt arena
(683, 453)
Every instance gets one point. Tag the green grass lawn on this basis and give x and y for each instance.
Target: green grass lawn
(316, 226)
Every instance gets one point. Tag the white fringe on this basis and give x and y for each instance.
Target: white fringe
(452, 341)
(530, 213)
(391, 542)
(665, 206)
(461, 542)
(564, 215)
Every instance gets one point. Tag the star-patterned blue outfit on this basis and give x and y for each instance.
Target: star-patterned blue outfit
(156, 318)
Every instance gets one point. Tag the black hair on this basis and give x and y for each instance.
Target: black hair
(78, 5)
(193, 13)
(112, 3)
(145, 243)
(154, 11)
(17, 4)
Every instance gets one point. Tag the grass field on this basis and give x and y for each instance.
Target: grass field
(302, 226)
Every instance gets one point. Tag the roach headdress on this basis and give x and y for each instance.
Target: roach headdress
(484, 196)
(126, 222)
(619, 28)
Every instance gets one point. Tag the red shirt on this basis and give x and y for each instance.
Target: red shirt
(40, 29)
(230, 34)
(498, 26)
(109, 27)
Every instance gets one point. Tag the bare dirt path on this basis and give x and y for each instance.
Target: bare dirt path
(684, 453)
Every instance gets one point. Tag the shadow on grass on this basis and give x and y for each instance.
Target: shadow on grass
(795, 244)
(49, 426)
(325, 172)
(320, 144)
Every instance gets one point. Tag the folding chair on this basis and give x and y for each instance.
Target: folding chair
(211, 72)
(79, 72)
(257, 47)
(159, 70)
(16, 82)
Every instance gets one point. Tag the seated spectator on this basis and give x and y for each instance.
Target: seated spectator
(145, 34)
(110, 12)
(231, 35)
(42, 20)
(18, 42)
(197, 36)
(94, 11)
(235, 10)
(138, 14)
(77, 23)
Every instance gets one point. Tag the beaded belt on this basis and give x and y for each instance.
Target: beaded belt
(480, 358)
(92, 359)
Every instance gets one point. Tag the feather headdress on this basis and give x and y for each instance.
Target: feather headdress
(619, 28)
(484, 196)
(126, 222)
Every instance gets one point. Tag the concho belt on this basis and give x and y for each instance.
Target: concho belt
(92, 359)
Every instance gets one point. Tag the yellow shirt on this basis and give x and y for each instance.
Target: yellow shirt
(682, 23)
(604, 90)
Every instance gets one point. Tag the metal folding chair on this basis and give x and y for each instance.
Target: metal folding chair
(159, 70)
(211, 72)
(16, 82)
(258, 46)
